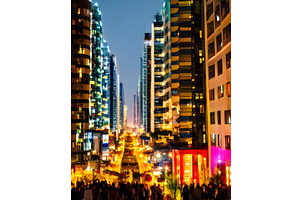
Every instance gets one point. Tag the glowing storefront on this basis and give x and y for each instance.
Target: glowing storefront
(190, 166)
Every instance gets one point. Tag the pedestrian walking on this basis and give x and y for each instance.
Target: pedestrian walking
(88, 193)
(197, 193)
(185, 193)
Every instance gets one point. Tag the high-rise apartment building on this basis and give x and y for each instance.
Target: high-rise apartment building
(218, 22)
(80, 77)
(96, 70)
(188, 72)
(157, 73)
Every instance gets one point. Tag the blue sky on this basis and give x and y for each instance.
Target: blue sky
(124, 24)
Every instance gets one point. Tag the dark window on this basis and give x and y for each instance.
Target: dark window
(219, 117)
(224, 8)
(220, 68)
(227, 116)
(209, 10)
(228, 60)
(211, 50)
(210, 28)
(219, 42)
(212, 118)
(217, 16)
(227, 34)
(227, 142)
(212, 94)
(211, 73)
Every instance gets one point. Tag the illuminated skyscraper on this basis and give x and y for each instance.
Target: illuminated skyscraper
(146, 82)
(96, 118)
(105, 59)
(80, 77)
(188, 72)
(125, 117)
(114, 112)
(157, 73)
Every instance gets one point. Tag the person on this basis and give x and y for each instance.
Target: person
(191, 191)
(159, 193)
(185, 192)
(88, 193)
(203, 191)
(74, 193)
(210, 192)
(197, 193)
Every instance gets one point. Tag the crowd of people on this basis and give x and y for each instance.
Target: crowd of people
(136, 191)
(209, 192)
(121, 191)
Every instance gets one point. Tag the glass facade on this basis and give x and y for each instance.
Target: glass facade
(96, 70)
(105, 58)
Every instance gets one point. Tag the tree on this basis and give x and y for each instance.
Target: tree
(173, 186)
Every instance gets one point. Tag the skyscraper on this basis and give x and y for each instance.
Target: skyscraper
(125, 117)
(188, 72)
(96, 118)
(146, 79)
(122, 103)
(105, 59)
(113, 94)
(80, 77)
(157, 73)
(134, 110)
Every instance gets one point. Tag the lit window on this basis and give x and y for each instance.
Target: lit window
(229, 89)
(227, 142)
(201, 108)
(219, 140)
(220, 91)
(213, 139)
(204, 138)
(228, 60)
(78, 11)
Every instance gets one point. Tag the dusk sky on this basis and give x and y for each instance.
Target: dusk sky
(124, 25)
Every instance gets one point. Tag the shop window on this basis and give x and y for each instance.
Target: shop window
(227, 34)
(219, 42)
(211, 73)
(220, 67)
(227, 116)
(227, 142)
(212, 94)
(220, 91)
(228, 85)
(212, 118)
(228, 60)
(219, 117)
